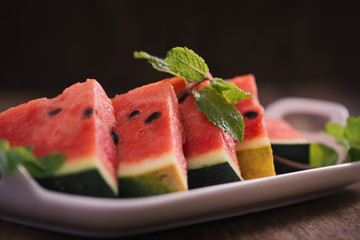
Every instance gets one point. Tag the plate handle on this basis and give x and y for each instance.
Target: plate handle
(333, 111)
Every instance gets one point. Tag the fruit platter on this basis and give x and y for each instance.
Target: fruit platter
(183, 150)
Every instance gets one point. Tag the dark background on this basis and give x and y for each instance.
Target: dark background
(294, 48)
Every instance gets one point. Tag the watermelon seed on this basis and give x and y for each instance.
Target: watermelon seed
(115, 137)
(53, 112)
(88, 112)
(251, 114)
(153, 117)
(133, 114)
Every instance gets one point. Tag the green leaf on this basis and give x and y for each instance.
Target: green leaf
(322, 155)
(4, 145)
(354, 154)
(159, 64)
(228, 90)
(51, 163)
(45, 166)
(221, 113)
(352, 132)
(336, 130)
(4, 163)
(187, 64)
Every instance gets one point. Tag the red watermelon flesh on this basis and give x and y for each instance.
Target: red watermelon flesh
(250, 108)
(78, 123)
(280, 131)
(150, 154)
(207, 149)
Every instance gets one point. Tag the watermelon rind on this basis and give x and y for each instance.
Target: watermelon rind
(86, 182)
(218, 173)
(256, 161)
(160, 181)
(151, 176)
(83, 165)
(202, 169)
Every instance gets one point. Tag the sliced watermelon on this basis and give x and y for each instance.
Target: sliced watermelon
(150, 153)
(287, 142)
(254, 152)
(79, 123)
(209, 152)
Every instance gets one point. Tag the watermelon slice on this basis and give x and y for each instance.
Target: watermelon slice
(79, 123)
(287, 143)
(150, 154)
(210, 153)
(254, 152)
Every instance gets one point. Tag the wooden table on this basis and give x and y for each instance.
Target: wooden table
(336, 216)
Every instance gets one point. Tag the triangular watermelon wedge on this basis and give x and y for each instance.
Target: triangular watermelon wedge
(150, 130)
(254, 152)
(79, 123)
(210, 153)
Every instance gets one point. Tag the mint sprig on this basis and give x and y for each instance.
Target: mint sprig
(220, 112)
(228, 90)
(321, 155)
(348, 136)
(215, 100)
(187, 64)
(11, 157)
(159, 64)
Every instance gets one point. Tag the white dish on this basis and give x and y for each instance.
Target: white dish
(23, 201)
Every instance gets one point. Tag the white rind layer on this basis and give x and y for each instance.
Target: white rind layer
(210, 159)
(253, 143)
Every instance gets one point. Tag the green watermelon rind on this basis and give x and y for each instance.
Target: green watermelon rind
(158, 181)
(257, 161)
(87, 182)
(77, 166)
(215, 167)
(298, 152)
(219, 173)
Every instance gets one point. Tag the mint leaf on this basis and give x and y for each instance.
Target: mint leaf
(187, 64)
(4, 145)
(50, 163)
(5, 166)
(352, 131)
(354, 154)
(159, 64)
(220, 112)
(228, 90)
(45, 166)
(322, 155)
(336, 130)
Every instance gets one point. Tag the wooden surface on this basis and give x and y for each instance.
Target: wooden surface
(336, 216)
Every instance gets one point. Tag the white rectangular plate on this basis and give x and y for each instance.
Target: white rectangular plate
(23, 201)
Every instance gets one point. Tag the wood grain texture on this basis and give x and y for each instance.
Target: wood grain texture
(336, 216)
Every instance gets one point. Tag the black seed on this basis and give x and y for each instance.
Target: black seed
(251, 114)
(115, 137)
(133, 114)
(153, 117)
(88, 112)
(53, 112)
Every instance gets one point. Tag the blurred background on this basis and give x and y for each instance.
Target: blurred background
(294, 48)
